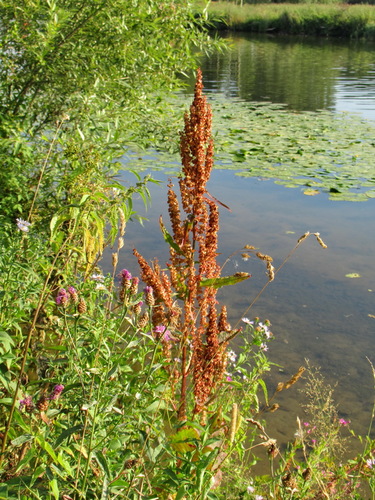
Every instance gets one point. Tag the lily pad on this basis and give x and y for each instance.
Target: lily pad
(321, 151)
(352, 275)
(311, 192)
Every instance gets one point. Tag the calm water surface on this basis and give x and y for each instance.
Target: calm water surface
(316, 312)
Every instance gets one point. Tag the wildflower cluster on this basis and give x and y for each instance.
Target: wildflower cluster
(42, 403)
(68, 296)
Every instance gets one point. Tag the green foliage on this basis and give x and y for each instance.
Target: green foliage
(95, 73)
(72, 57)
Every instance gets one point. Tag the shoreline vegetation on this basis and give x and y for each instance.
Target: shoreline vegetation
(124, 386)
(309, 19)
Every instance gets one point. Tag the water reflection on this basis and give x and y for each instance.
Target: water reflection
(304, 73)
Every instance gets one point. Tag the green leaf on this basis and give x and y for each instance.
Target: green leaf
(54, 489)
(265, 391)
(102, 461)
(184, 440)
(25, 438)
(47, 447)
(225, 280)
(168, 238)
(67, 433)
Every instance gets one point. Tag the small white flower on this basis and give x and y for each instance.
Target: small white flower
(97, 277)
(246, 320)
(232, 356)
(250, 489)
(265, 329)
(100, 286)
(264, 347)
(138, 395)
(23, 225)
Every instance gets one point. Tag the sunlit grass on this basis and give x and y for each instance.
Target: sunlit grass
(331, 19)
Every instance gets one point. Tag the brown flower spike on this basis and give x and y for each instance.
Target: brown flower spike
(193, 258)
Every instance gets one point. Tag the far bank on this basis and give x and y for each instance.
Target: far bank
(328, 20)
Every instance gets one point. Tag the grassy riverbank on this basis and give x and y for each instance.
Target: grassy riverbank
(335, 20)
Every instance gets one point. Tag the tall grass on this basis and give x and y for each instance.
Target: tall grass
(333, 19)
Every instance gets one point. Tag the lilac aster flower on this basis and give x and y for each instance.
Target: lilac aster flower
(97, 277)
(247, 321)
(370, 462)
(23, 225)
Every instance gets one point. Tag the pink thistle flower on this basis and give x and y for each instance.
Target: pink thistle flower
(344, 422)
(125, 274)
(56, 391)
(62, 298)
(149, 295)
(27, 403)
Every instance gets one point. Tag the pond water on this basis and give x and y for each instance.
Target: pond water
(316, 311)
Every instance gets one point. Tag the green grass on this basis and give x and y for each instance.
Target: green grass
(336, 20)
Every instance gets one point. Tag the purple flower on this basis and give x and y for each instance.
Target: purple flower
(161, 332)
(344, 422)
(27, 403)
(56, 391)
(149, 295)
(370, 462)
(72, 290)
(23, 225)
(63, 297)
(264, 347)
(125, 274)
